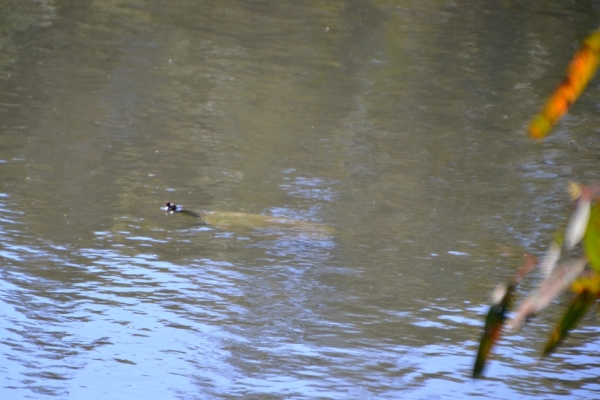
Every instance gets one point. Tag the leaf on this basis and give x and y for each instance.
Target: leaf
(548, 290)
(577, 310)
(552, 256)
(590, 281)
(578, 222)
(591, 239)
(493, 328)
(529, 264)
(582, 68)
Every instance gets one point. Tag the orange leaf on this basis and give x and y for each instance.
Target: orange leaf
(583, 66)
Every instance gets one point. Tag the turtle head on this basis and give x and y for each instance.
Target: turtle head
(171, 208)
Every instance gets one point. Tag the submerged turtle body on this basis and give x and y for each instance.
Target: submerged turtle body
(239, 221)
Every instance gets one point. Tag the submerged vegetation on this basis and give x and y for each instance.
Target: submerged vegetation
(581, 275)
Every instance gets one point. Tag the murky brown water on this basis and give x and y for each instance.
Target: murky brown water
(398, 125)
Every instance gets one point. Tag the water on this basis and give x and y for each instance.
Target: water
(400, 125)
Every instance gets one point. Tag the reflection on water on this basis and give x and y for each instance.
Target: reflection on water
(390, 134)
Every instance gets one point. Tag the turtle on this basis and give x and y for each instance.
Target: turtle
(240, 221)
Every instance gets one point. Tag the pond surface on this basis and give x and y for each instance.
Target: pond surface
(397, 126)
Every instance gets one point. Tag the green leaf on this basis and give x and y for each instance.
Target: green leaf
(493, 328)
(591, 238)
(577, 310)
